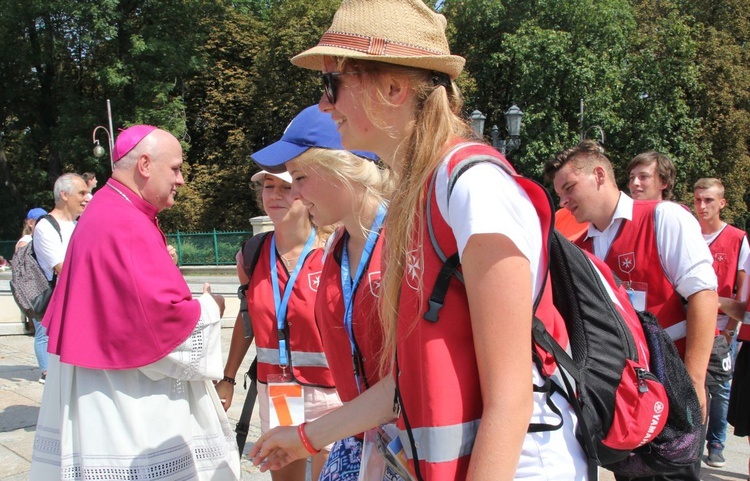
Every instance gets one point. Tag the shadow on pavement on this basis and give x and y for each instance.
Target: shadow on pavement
(718, 474)
(23, 372)
(18, 417)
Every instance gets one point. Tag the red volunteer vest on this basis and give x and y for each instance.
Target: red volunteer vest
(437, 371)
(329, 313)
(309, 365)
(634, 257)
(726, 252)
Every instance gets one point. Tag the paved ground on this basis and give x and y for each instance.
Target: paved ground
(20, 393)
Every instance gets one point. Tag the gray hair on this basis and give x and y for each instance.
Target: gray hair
(65, 183)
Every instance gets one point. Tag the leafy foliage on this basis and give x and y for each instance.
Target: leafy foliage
(670, 75)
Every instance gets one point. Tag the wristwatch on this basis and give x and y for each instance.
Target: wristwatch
(730, 332)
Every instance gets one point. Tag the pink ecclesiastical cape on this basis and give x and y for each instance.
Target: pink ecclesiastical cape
(120, 301)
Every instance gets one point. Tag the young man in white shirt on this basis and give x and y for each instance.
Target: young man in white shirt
(632, 237)
(729, 248)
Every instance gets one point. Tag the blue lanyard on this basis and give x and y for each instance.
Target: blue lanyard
(349, 285)
(281, 303)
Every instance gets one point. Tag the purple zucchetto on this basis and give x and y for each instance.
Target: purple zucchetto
(129, 138)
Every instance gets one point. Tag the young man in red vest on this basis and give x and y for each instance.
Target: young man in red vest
(730, 250)
(633, 238)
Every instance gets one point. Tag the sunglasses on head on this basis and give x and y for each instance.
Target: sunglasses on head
(330, 84)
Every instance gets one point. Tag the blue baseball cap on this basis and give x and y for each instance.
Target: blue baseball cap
(36, 213)
(310, 128)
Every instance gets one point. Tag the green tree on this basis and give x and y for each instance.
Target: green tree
(723, 100)
(544, 56)
(62, 59)
(243, 102)
(668, 75)
(661, 82)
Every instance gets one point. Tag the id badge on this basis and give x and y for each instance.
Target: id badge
(286, 402)
(396, 450)
(383, 456)
(637, 293)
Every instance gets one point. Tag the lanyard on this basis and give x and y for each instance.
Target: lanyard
(349, 285)
(281, 303)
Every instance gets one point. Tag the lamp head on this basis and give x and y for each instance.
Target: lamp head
(513, 118)
(98, 150)
(476, 120)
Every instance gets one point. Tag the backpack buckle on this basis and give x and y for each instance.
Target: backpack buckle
(432, 313)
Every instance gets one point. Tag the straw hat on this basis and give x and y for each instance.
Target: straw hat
(402, 32)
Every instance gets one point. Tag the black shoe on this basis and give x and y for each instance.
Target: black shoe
(43, 380)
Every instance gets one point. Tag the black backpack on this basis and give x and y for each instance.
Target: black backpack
(605, 376)
(30, 288)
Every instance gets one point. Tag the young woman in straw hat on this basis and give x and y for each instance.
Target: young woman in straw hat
(463, 384)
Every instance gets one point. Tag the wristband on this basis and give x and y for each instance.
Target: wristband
(730, 332)
(305, 441)
(230, 380)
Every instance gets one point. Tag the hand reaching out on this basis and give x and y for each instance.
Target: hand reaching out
(277, 448)
(226, 392)
(218, 298)
(172, 253)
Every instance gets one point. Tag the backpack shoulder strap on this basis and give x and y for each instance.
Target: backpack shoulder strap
(472, 153)
(243, 424)
(32, 252)
(463, 157)
(451, 264)
(53, 221)
(251, 249)
(251, 252)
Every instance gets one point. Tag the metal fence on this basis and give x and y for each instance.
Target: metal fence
(207, 248)
(7, 248)
(193, 248)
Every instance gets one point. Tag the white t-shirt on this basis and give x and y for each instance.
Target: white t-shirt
(25, 239)
(486, 199)
(49, 247)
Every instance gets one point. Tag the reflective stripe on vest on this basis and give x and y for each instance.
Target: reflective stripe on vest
(299, 358)
(442, 443)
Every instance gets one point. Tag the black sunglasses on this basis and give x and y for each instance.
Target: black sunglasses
(329, 84)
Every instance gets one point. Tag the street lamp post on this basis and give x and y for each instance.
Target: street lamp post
(98, 149)
(513, 118)
(585, 131)
(476, 120)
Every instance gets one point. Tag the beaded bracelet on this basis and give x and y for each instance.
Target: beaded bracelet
(305, 441)
(230, 380)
